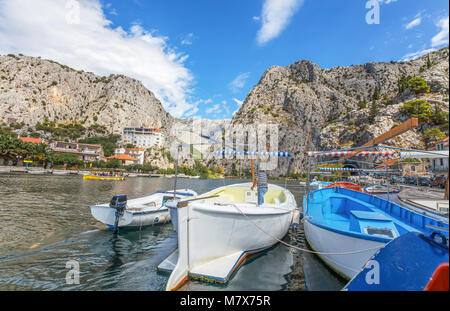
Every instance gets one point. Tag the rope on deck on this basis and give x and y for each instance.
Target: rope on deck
(299, 248)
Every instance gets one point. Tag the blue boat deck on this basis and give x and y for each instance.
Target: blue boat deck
(352, 212)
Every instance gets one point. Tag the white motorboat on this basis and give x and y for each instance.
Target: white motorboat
(140, 212)
(63, 173)
(36, 172)
(5, 170)
(219, 229)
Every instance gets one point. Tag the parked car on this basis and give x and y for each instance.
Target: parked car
(424, 181)
(411, 180)
(403, 179)
(438, 182)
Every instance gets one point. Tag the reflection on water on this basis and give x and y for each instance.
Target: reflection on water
(46, 222)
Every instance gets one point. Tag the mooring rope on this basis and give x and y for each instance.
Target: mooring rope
(299, 248)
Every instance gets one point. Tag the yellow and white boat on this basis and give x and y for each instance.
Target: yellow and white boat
(219, 229)
(103, 177)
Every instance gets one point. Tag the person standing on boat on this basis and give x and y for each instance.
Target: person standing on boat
(261, 181)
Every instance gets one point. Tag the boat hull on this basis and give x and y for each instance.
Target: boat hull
(107, 215)
(231, 232)
(326, 241)
(139, 212)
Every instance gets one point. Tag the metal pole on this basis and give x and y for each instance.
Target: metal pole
(307, 186)
(176, 173)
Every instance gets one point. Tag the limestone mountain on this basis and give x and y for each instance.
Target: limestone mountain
(323, 109)
(33, 90)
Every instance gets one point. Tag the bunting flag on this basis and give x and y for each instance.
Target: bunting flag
(255, 153)
(317, 154)
(350, 169)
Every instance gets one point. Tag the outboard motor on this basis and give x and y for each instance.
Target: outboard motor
(118, 202)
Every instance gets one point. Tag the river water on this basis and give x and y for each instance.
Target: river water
(45, 221)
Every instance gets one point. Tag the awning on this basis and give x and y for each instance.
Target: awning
(316, 154)
(350, 169)
(425, 154)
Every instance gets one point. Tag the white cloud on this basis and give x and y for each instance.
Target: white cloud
(214, 109)
(414, 23)
(276, 15)
(238, 102)
(42, 28)
(187, 40)
(442, 37)
(414, 55)
(239, 82)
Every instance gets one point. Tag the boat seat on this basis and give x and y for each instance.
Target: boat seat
(363, 215)
(372, 223)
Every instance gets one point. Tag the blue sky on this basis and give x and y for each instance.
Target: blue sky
(202, 57)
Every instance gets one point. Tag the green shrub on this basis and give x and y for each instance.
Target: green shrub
(418, 109)
(419, 85)
(432, 135)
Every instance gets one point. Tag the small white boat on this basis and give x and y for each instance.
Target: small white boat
(36, 172)
(316, 185)
(84, 173)
(132, 175)
(55, 172)
(140, 212)
(219, 229)
(5, 170)
(380, 189)
(194, 177)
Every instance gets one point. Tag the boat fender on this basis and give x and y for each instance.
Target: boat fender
(156, 220)
(295, 218)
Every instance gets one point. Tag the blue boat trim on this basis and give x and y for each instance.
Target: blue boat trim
(349, 233)
(171, 192)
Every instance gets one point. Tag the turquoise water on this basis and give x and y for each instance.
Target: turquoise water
(46, 221)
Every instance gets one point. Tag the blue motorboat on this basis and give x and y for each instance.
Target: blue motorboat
(411, 262)
(346, 227)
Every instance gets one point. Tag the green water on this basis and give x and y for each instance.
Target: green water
(46, 221)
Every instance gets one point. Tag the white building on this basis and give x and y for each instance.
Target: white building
(439, 166)
(142, 137)
(137, 153)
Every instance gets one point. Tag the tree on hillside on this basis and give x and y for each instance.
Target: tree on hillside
(373, 111)
(376, 93)
(417, 109)
(432, 135)
(403, 83)
(419, 85)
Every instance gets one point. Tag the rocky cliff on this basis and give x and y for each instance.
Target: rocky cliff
(323, 109)
(33, 89)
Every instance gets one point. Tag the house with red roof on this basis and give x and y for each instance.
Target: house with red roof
(33, 140)
(137, 153)
(124, 159)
